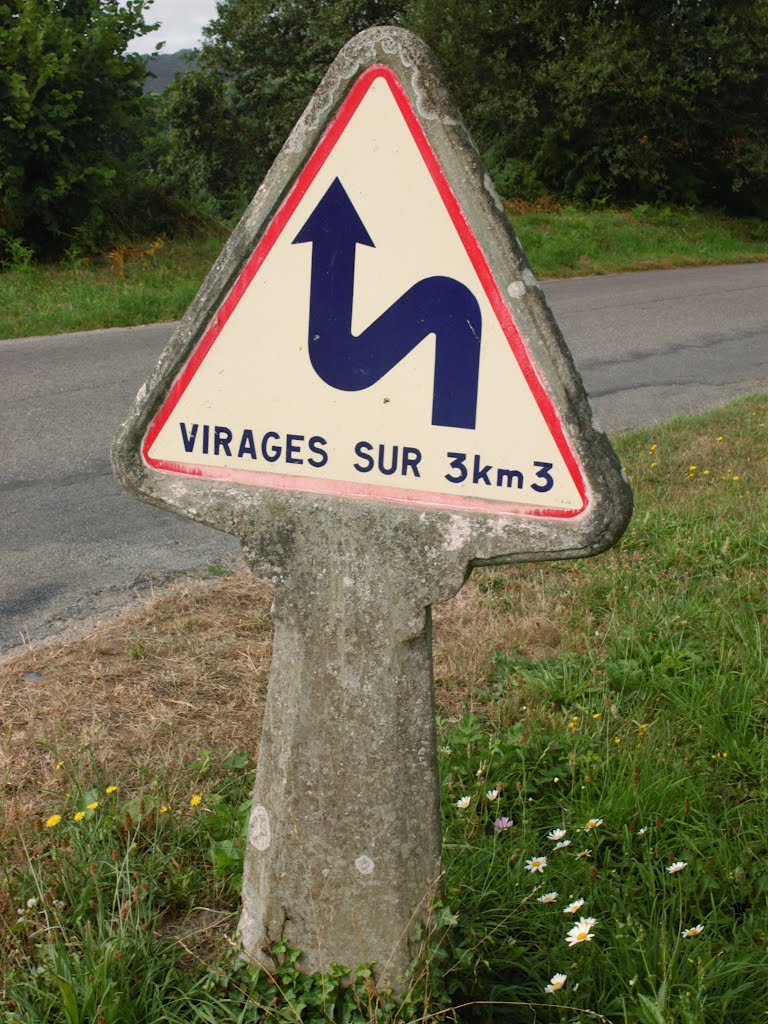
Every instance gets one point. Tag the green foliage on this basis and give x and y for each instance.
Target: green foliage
(258, 67)
(585, 99)
(637, 101)
(72, 124)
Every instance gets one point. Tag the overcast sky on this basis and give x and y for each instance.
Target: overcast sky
(181, 23)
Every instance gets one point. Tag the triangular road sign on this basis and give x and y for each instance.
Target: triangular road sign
(372, 333)
(365, 349)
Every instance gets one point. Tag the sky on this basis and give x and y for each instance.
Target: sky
(181, 25)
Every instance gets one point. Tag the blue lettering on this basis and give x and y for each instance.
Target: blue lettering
(545, 476)
(247, 445)
(411, 460)
(479, 474)
(508, 477)
(188, 439)
(222, 438)
(292, 448)
(271, 454)
(363, 450)
(457, 462)
(316, 446)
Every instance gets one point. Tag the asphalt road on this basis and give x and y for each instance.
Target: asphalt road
(74, 547)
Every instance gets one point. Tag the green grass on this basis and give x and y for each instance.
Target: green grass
(570, 241)
(652, 716)
(141, 284)
(147, 284)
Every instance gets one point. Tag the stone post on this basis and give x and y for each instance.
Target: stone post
(343, 849)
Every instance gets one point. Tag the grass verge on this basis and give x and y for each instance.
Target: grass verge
(155, 281)
(619, 700)
(568, 241)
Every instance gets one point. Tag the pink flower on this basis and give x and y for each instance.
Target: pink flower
(502, 824)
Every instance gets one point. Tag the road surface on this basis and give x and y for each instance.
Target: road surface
(74, 547)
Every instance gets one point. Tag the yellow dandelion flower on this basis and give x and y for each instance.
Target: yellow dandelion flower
(617, 739)
(653, 465)
(718, 439)
(53, 821)
(691, 468)
(735, 478)
(80, 815)
(93, 806)
(111, 789)
(59, 766)
(706, 472)
(196, 800)
(163, 809)
(653, 448)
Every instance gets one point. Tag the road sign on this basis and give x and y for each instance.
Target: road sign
(365, 349)
(371, 393)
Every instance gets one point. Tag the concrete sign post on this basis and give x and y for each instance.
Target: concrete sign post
(370, 391)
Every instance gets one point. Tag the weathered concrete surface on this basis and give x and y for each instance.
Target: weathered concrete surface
(344, 843)
(344, 840)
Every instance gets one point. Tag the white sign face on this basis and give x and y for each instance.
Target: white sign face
(365, 350)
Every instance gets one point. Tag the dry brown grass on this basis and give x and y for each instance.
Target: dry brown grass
(145, 693)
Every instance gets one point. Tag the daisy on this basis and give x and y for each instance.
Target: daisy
(677, 866)
(548, 897)
(581, 931)
(556, 983)
(573, 907)
(562, 844)
(463, 803)
(583, 855)
(697, 929)
(555, 835)
(536, 864)
(492, 794)
(593, 823)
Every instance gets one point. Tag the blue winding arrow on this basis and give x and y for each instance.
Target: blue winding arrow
(437, 305)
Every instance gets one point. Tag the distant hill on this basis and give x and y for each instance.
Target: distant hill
(165, 67)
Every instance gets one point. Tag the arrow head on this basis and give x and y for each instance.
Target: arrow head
(334, 218)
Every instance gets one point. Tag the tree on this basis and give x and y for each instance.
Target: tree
(597, 100)
(629, 100)
(71, 114)
(259, 65)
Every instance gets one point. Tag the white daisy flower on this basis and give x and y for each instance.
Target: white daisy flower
(642, 831)
(492, 794)
(677, 866)
(573, 907)
(697, 929)
(592, 824)
(548, 897)
(536, 864)
(556, 983)
(581, 931)
(463, 803)
(556, 834)
(562, 844)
